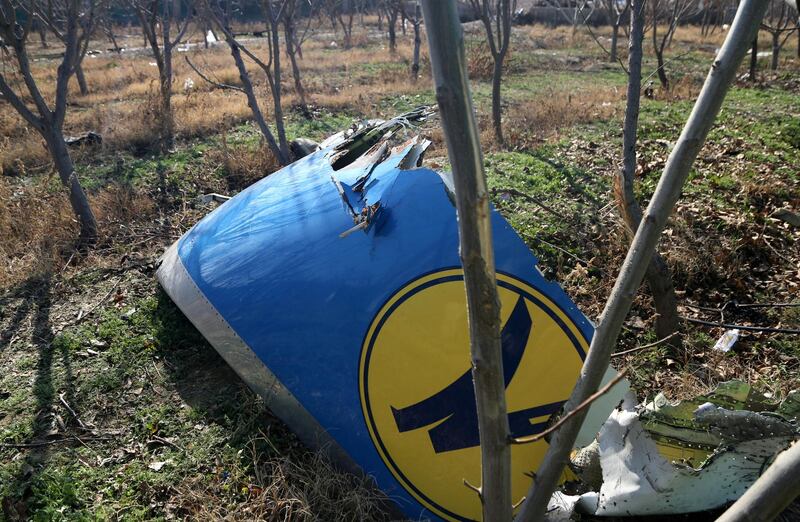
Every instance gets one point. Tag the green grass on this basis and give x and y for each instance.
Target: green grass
(154, 379)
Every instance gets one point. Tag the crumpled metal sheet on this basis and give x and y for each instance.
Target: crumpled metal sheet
(690, 456)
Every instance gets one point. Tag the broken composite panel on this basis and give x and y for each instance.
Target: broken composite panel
(334, 288)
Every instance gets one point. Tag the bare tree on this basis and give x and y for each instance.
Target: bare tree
(220, 15)
(392, 9)
(445, 40)
(416, 20)
(658, 276)
(496, 18)
(156, 18)
(633, 269)
(673, 13)
(290, 39)
(343, 12)
(616, 15)
(20, 89)
(777, 23)
(52, 16)
(107, 26)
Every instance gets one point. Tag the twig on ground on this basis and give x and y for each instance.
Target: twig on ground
(644, 347)
(100, 302)
(562, 250)
(766, 329)
(589, 400)
(41, 443)
(766, 305)
(527, 197)
(72, 412)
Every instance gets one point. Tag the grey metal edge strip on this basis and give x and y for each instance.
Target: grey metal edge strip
(179, 285)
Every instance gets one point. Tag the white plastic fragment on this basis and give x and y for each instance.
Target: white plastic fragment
(705, 407)
(204, 199)
(211, 37)
(638, 480)
(561, 507)
(727, 340)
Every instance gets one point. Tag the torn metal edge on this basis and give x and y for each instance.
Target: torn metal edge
(176, 282)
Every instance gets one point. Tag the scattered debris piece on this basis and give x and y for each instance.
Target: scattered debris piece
(158, 465)
(726, 341)
(208, 198)
(787, 216)
(694, 455)
(87, 138)
(302, 147)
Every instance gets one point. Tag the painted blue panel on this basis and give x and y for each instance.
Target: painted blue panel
(271, 261)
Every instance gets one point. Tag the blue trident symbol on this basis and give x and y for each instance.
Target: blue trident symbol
(455, 404)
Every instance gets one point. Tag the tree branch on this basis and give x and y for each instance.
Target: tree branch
(218, 85)
(642, 248)
(579, 408)
(12, 98)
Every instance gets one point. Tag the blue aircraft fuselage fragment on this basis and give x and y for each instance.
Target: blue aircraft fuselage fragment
(274, 282)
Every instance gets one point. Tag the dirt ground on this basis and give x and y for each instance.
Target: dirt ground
(112, 406)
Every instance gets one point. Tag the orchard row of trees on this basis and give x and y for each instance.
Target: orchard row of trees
(165, 25)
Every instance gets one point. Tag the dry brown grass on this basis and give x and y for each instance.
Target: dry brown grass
(39, 229)
(242, 166)
(303, 488)
(533, 122)
(122, 102)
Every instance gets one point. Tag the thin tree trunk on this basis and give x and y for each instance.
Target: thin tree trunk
(776, 50)
(392, 23)
(276, 87)
(43, 35)
(753, 60)
(252, 102)
(445, 40)
(614, 38)
(658, 277)
(417, 42)
(676, 171)
(659, 52)
(662, 74)
(166, 118)
(771, 493)
(81, 80)
(497, 108)
(112, 38)
(291, 50)
(77, 197)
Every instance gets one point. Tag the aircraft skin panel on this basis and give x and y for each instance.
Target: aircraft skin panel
(181, 289)
(289, 294)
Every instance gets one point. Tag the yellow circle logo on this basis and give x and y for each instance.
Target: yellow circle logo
(416, 385)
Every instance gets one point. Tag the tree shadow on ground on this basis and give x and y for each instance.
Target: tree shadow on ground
(50, 387)
(206, 383)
